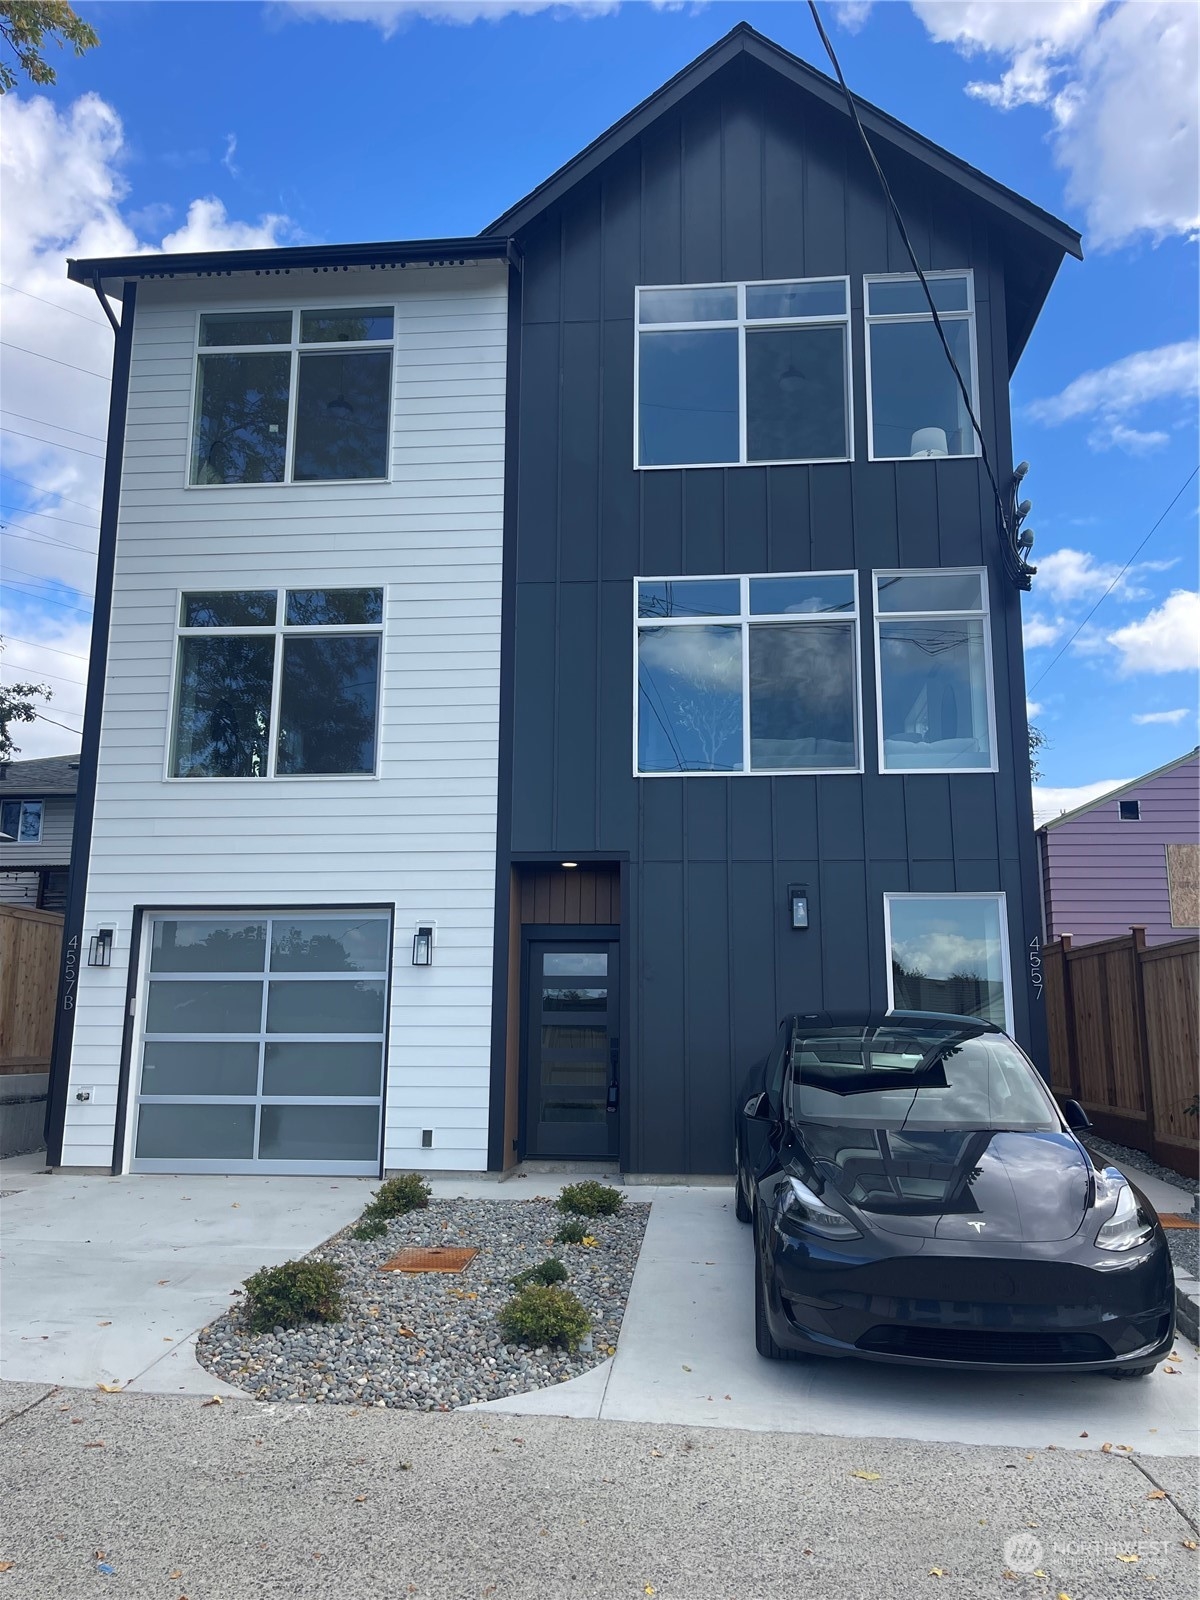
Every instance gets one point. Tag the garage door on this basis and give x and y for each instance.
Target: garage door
(262, 1046)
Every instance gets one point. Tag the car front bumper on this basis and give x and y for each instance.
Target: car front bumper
(1065, 1307)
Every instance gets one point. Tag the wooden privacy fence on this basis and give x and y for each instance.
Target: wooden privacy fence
(30, 942)
(1125, 1040)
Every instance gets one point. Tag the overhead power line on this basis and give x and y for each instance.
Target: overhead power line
(41, 489)
(43, 423)
(1115, 581)
(54, 444)
(42, 717)
(41, 577)
(24, 511)
(70, 311)
(58, 677)
(36, 644)
(42, 356)
(23, 591)
(44, 538)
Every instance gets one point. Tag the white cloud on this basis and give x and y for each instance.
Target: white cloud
(1111, 395)
(852, 14)
(1039, 631)
(1119, 83)
(390, 15)
(64, 191)
(1169, 718)
(1033, 708)
(1166, 639)
(1068, 575)
(227, 160)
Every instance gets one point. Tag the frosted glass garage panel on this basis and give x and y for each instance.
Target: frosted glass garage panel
(195, 1132)
(217, 1067)
(340, 1071)
(329, 944)
(326, 1007)
(204, 1006)
(179, 944)
(319, 1133)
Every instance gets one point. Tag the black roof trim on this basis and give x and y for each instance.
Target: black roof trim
(273, 260)
(745, 40)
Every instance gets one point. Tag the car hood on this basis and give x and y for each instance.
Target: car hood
(993, 1187)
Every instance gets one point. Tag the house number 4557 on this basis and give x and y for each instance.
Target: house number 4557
(1035, 965)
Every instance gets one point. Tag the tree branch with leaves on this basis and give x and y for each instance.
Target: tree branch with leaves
(26, 27)
(18, 703)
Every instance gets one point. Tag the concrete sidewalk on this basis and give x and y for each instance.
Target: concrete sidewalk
(242, 1500)
(686, 1355)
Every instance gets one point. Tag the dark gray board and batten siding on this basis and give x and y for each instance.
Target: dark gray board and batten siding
(747, 179)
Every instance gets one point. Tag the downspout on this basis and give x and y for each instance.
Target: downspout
(85, 798)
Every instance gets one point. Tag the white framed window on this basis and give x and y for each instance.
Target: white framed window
(738, 374)
(747, 674)
(21, 820)
(1127, 811)
(277, 683)
(949, 953)
(262, 1041)
(292, 396)
(915, 407)
(933, 671)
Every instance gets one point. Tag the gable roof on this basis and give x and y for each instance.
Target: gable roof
(1110, 795)
(1053, 237)
(30, 780)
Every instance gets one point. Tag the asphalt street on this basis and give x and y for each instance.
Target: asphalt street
(143, 1495)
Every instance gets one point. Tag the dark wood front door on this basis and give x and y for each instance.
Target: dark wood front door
(571, 1048)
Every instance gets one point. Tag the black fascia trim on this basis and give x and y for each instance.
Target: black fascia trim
(743, 39)
(294, 258)
(141, 912)
(89, 755)
(501, 954)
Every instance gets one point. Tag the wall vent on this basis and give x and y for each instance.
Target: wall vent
(426, 1138)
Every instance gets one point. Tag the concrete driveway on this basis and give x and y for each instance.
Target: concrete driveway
(108, 1280)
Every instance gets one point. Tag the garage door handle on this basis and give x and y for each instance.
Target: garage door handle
(614, 1057)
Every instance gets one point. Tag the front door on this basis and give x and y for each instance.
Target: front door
(571, 1049)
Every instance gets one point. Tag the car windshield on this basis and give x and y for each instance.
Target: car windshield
(915, 1077)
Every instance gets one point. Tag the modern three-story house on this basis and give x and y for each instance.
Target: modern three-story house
(528, 665)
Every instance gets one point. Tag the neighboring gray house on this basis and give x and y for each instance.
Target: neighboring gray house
(37, 814)
(1129, 859)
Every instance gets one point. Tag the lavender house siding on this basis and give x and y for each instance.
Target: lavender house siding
(1102, 876)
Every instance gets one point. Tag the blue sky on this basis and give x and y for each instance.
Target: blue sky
(205, 125)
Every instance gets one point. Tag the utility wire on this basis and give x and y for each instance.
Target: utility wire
(71, 312)
(54, 444)
(42, 356)
(24, 511)
(58, 677)
(1009, 560)
(40, 577)
(42, 422)
(39, 489)
(1115, 581)
(44, 538)
(42, 717)
(22, 591)
(36, 644)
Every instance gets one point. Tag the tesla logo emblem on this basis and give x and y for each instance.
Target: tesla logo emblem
(978, 1226)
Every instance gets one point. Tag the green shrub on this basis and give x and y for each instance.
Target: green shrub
(396, 1196)
(294, 1292)
(544, 1314)
(591, 1199)
(571, 1232)
(546, 1273)
(371, 1227)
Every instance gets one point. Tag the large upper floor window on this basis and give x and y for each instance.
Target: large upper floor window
(21, 820)
(934, 660)
(293, 396)
(273, 683)
(914, 404)
(734, 373)
(748, 674)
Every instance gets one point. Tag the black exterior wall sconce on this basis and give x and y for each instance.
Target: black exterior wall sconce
(100, 948)
(798, 904)
(422, 955)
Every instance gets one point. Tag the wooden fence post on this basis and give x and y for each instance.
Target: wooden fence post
(1139, 994)
(1068, 999)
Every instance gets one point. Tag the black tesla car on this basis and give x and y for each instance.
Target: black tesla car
(917, 1196)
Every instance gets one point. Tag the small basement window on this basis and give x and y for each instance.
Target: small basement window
(21, 820)
(293, 396)
(1129, 810)
(915, 407)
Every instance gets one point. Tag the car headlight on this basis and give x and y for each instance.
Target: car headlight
(1128, 1226)
(800, 1208)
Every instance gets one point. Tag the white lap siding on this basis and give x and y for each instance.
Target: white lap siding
(421, 835)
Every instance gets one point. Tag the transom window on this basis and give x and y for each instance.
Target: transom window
(277, 683)
(293, 396)
(914, 405)
(949, 953)
(734, 373)
(934, 662)
(748, 674)
(21, 820)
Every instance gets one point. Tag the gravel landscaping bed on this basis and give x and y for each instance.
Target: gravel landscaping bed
(429, 1341)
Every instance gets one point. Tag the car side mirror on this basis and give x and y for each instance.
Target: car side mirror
(758, 1107)
(1076, 1117)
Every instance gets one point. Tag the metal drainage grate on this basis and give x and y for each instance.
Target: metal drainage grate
(435, 1258)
